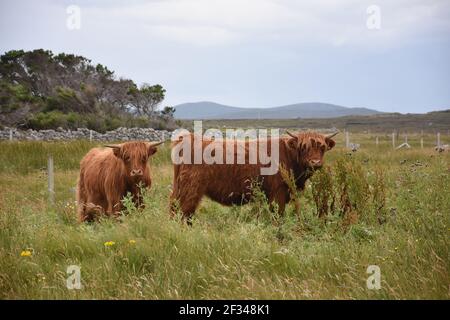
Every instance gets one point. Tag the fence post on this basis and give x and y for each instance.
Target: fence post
(421, 143)
(90, 135)
(376, 141)
(347, 140)
(393, 140)
(10, 134)
(51, 181)
(438, 139)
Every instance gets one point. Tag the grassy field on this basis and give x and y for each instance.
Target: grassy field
(399, 220)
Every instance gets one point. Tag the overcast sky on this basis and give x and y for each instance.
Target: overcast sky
(255, 53)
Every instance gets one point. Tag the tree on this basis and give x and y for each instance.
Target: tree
(146, 99)
(16, 103)
(40, 82)
(168, 112)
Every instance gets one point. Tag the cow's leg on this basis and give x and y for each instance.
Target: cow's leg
(189, 203)
(92, 212)
(187, 196)
(88, 205)
(280, 199)
(114, 204)
(94, 208)
(114, 208)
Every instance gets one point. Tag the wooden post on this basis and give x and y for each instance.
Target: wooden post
(10, 134)
(438, 139)
(347, 140)
(393, 140)
(90, 135)
(421, 142)
(376, 141)
(406, 138)
(51, 181)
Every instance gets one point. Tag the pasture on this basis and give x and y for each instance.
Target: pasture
(399, 220)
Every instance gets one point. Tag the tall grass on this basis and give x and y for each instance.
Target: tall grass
(401, 200)
(27, 156)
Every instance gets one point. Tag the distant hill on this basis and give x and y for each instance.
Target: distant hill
(212, 110)
(431, 122)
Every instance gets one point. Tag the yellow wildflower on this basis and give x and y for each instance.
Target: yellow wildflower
(132, 241)
(26, 253)
(109, 243)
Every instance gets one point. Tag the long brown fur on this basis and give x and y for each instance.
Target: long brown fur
(105, 178)
(230, 184)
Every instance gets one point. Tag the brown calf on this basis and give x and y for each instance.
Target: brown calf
(107, 175)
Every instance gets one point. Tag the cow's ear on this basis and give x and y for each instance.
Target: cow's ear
(151, 150)
(116, 150)
(330, 143)
(292, 143)
(152, 147)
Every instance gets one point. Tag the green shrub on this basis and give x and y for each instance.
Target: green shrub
(348, 190)
(323, 191)
(48, 120)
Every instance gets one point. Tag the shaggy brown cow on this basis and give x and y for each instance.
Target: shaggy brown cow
(107, 175)
(230, 184)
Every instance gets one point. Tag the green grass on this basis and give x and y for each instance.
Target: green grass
(230, 252)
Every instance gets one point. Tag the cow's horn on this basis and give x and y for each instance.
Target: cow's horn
(292, 135)
(331, 135)
(111, 146)
(154, 144)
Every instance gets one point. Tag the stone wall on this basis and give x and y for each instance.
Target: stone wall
(120, 134)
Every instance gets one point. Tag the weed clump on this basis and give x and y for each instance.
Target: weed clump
(349, 191)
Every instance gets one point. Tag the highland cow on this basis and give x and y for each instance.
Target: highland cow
(107, 175)
(231, 184)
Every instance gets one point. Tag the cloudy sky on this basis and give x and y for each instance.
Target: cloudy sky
(255, 53)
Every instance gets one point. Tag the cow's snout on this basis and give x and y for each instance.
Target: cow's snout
(136, 172)
(314, 163)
